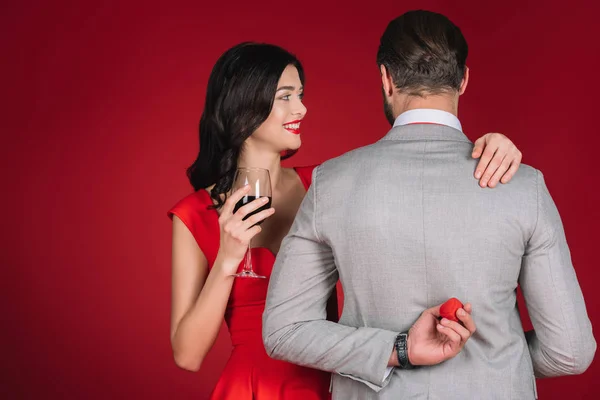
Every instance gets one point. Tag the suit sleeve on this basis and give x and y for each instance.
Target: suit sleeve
(562, 342)
(295, 328)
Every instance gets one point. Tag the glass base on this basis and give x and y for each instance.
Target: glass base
(248, 274)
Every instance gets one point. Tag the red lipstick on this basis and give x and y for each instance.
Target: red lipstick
(293, 126)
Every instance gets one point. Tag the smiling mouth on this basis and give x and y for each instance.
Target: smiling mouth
(293, 127)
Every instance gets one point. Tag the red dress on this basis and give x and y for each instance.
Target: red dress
(250, 373)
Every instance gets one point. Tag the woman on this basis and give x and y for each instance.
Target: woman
(251, 116)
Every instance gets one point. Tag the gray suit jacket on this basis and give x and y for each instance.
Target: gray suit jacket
(405, 226)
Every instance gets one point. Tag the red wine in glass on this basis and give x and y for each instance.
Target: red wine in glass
(249, 199)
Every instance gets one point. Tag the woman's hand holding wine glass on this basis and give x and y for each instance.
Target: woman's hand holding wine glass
(241, 215)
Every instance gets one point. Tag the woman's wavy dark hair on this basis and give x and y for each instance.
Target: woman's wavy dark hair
(239, 98)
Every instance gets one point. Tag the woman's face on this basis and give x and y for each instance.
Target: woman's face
(281, 130)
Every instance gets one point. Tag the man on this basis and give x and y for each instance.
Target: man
(404, 227)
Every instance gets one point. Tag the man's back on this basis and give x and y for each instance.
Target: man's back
(409, 227)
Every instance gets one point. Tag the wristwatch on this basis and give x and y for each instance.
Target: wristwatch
(401, 345)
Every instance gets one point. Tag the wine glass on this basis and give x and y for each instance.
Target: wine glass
(260, 186)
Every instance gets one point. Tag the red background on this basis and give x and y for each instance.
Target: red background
(100, 104)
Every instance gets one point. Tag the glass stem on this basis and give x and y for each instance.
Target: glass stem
(248, 262)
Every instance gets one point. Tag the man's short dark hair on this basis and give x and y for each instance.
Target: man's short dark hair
(424, 52)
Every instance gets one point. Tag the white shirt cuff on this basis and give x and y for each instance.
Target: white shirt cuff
(388, 371)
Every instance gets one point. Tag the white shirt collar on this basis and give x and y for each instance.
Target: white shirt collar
(428, 116)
